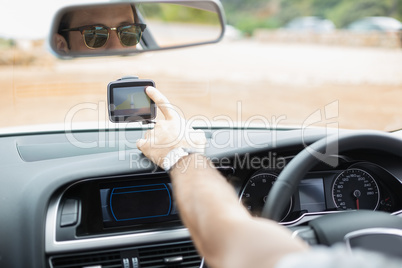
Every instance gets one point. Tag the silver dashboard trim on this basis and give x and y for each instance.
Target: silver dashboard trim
(311, 216)
(306, 217)
(397, 213)
(53, 246)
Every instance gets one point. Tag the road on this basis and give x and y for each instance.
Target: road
(232, 79)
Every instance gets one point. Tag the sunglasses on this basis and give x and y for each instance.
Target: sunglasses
(96, 36)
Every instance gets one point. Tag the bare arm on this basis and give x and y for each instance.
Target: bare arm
(222, 230)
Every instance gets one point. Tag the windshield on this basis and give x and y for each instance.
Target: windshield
(281, 63)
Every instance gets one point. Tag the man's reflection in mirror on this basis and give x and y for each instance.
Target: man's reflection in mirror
(99, 28)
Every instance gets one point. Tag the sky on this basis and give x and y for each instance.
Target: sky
(30, 19)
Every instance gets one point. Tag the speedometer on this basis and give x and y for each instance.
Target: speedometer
(355, 189)
(255, 193)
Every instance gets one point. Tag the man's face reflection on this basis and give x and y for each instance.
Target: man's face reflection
(110, 16)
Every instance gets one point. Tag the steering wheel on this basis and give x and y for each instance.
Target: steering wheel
(332, 228)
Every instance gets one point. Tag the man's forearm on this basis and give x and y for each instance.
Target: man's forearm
(202, 194)
(219, 225)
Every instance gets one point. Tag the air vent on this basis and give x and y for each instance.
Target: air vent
(97, 259)
(175, 255)
(182, 255)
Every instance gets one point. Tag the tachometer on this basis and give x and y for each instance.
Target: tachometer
(355, 189)
(255, 193)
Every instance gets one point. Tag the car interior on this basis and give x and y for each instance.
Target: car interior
(89, 198)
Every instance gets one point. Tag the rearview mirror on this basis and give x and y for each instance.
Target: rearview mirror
(125, 28)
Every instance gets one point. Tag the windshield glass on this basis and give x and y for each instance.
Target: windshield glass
(281, 63)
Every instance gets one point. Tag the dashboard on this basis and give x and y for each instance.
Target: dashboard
(138, 202)
(75, 206)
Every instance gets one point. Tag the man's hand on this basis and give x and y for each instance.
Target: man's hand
(168, 134)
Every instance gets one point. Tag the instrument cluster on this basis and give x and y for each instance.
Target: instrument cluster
(361, 185)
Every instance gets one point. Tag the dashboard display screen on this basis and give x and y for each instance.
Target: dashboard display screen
(137, 202)
(311, 192)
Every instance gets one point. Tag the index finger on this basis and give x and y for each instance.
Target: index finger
(162, 102)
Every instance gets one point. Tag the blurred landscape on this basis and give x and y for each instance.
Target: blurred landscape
(273, 14)
(260, 68)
